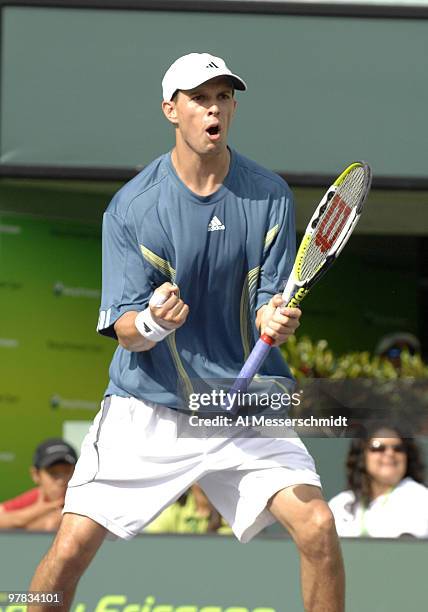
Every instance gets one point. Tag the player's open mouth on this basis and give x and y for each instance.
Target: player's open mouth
(213, 132)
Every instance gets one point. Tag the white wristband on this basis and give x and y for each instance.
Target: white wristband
(148, 327)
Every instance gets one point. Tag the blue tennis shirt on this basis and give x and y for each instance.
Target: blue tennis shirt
(228, 252)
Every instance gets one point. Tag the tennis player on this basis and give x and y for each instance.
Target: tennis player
(195, 249)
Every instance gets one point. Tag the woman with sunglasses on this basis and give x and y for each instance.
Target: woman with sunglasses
(386, 496)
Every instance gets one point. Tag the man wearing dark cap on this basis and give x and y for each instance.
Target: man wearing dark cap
(40, 508)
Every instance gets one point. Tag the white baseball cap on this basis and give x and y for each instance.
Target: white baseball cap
(192, 70)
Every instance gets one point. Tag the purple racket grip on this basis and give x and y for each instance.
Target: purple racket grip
(249, 370)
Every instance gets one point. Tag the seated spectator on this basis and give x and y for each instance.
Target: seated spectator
(39, 509)
(386, 496)
(191, 513)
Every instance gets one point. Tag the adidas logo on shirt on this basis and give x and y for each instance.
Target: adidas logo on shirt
(215, 224)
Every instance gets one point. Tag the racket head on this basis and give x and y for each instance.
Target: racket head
(329, 229)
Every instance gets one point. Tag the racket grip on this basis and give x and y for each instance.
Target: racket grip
(249, 370)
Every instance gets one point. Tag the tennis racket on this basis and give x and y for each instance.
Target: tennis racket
(326, 234)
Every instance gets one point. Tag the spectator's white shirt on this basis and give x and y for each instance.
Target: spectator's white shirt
(404, 510)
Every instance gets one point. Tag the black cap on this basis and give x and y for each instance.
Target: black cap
(54, 450)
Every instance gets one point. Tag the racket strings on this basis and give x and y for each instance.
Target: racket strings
(331, 222)
(353, 187)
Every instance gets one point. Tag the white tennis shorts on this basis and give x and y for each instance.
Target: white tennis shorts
(133, 465)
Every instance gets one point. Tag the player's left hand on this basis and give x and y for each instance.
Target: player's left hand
(278, 324)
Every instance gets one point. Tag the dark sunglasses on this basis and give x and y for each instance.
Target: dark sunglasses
(381, 448)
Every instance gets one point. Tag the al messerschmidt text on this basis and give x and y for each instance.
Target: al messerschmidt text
(264, 421)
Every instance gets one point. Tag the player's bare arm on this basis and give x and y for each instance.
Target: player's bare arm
(278, 324)
(170, 313)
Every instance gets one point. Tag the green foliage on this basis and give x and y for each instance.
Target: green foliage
(360, 385)
(308, 359)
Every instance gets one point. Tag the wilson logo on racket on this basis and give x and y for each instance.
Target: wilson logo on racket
(332, 224)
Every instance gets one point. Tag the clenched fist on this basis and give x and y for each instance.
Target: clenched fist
(167, 308)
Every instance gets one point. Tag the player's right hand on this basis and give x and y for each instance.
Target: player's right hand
(167, 308)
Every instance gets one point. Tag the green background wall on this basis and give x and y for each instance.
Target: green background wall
(54, 367)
